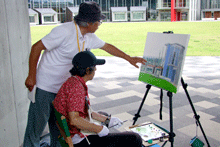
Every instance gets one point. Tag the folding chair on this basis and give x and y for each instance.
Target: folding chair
(65, 138)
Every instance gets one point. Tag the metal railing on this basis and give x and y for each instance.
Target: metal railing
(161, 5)
(182, 4)
(164, 5)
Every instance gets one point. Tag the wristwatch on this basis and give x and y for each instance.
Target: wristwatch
(106, 123)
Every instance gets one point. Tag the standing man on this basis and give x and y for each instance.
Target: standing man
(60, 46)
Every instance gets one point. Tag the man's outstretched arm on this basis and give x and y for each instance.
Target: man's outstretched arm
(111, 49)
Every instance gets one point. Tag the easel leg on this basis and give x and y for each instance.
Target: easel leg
(194, 111)
(137, 115)
(171, 134)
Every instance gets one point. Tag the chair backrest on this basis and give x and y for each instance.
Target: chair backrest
(65, 138)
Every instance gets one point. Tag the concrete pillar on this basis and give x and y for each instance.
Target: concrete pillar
(15, 46)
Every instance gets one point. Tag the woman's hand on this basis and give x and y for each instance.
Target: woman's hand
(115, 123)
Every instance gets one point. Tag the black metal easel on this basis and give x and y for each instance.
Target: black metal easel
(170, 95)
(194, 111)
(137, 115)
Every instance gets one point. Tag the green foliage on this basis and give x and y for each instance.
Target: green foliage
(131, 37)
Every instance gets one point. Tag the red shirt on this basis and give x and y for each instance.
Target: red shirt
(71, 97)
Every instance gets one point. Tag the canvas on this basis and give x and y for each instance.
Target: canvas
(165, 55)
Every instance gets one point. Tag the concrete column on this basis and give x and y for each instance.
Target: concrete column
(15, 46)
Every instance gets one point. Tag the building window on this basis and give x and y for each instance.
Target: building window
(31, 19)
(184, 16)
(165, 16)
(48, 19)
(138, 15)
(119, 16)
(204, 16)
(152, 15)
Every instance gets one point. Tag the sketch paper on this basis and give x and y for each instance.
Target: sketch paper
(31, 95)
(165, 55)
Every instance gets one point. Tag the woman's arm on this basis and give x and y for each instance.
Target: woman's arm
(83, 124)
(99, 117)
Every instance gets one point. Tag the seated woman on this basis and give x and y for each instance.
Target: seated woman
(71, 101)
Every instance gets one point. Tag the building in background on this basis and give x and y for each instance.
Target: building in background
(47, 16)
(138, 13)
(119, 14)
(71, 12)
(210, 9)
(181, 10)
(33, 17)
(60, 6)
(156, 10)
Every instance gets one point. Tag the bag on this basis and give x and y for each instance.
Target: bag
(195, 142)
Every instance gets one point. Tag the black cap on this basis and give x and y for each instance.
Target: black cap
(89, 12)
(86, 59)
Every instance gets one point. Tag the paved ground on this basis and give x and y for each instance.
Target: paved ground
(116, 90)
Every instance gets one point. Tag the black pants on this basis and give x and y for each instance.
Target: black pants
(123, 139)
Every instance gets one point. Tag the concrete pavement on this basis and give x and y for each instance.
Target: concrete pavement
(116, 90)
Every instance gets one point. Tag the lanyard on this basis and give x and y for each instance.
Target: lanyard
(77, 33)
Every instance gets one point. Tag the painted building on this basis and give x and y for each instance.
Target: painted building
(173, 60)
(153, 66)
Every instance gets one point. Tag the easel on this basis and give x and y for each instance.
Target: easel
(170, 95)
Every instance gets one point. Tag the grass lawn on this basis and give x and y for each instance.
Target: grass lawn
(131, 37)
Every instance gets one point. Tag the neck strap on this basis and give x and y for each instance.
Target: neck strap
(77, 33)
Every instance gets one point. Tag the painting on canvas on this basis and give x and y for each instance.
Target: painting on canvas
(165, 55)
